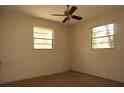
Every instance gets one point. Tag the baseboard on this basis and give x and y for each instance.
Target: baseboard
(97, 76)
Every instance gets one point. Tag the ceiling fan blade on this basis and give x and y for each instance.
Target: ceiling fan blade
(67, 18)
(72, 10)
(58, 14)
(67, 7)
(76, 17)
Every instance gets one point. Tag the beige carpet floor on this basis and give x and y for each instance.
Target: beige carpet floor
(65, 79)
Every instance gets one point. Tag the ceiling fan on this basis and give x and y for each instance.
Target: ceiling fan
(68, 13)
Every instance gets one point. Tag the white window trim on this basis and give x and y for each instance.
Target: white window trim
(44, 38)
(114, 36)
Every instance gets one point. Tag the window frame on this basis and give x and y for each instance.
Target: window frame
(52, 40)
(115, 31)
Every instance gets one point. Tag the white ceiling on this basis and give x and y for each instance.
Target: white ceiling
(85, 11)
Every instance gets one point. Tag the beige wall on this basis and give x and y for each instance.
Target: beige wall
(0, 39)
(19, 59)
(107, 63)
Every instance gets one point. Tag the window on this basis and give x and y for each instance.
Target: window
(43, 38)
(103, 36)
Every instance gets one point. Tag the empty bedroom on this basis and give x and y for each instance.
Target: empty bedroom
(61, 45)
